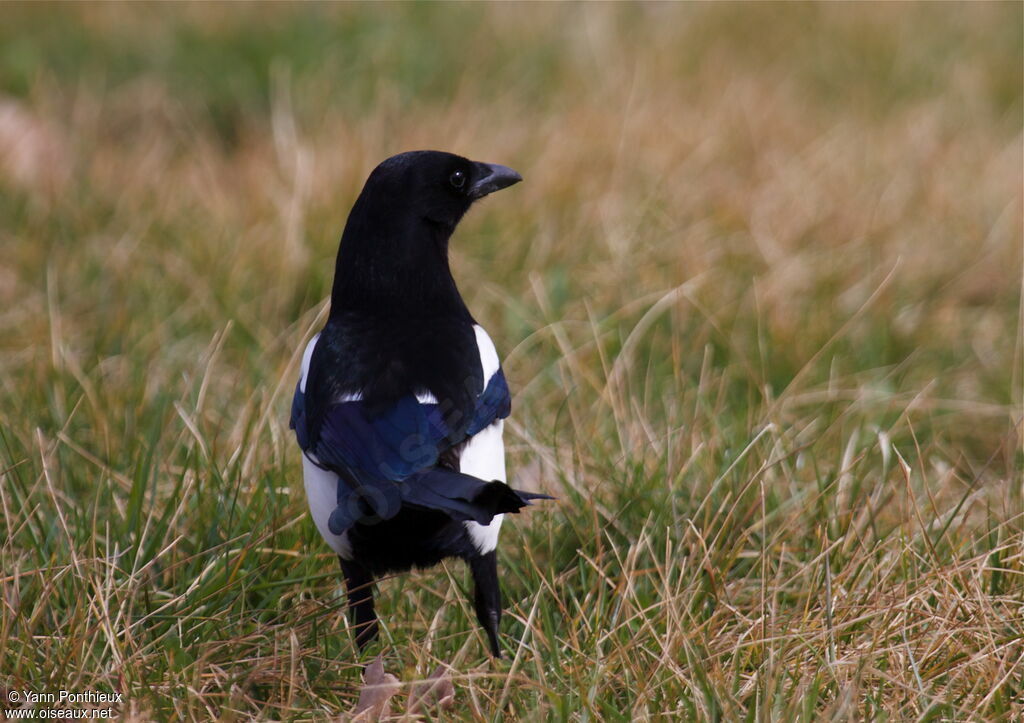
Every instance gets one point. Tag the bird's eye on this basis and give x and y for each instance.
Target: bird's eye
(458, 179)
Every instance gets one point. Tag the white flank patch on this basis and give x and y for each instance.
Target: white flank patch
(306, 356)
(488, 354)
(484, 454)
(321, 484)
(322, 496)
(484, 457)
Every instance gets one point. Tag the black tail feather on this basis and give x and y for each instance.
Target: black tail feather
(527, 496)
(497, 498)
(463, 496)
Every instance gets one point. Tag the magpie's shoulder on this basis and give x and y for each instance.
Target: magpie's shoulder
(490, 362)
(341, 418)
(381, 360)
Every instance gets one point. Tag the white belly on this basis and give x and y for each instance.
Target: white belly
(322, 496)
(484, 457)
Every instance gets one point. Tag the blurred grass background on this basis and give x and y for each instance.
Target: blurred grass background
(759, 301)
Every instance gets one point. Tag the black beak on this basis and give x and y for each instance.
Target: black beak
(492, 178)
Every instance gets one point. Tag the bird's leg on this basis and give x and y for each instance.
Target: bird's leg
(359, 583)
(487, 599)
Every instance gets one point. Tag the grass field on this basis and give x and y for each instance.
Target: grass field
(758, 298)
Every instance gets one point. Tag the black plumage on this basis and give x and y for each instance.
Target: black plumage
(395, 390)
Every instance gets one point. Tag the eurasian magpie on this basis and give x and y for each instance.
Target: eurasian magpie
(400, 405)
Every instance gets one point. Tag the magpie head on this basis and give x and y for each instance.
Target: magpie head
(437, 187)
(394, 250)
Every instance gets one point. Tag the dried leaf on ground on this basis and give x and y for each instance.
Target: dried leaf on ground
(375, 695)
(436, 691)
